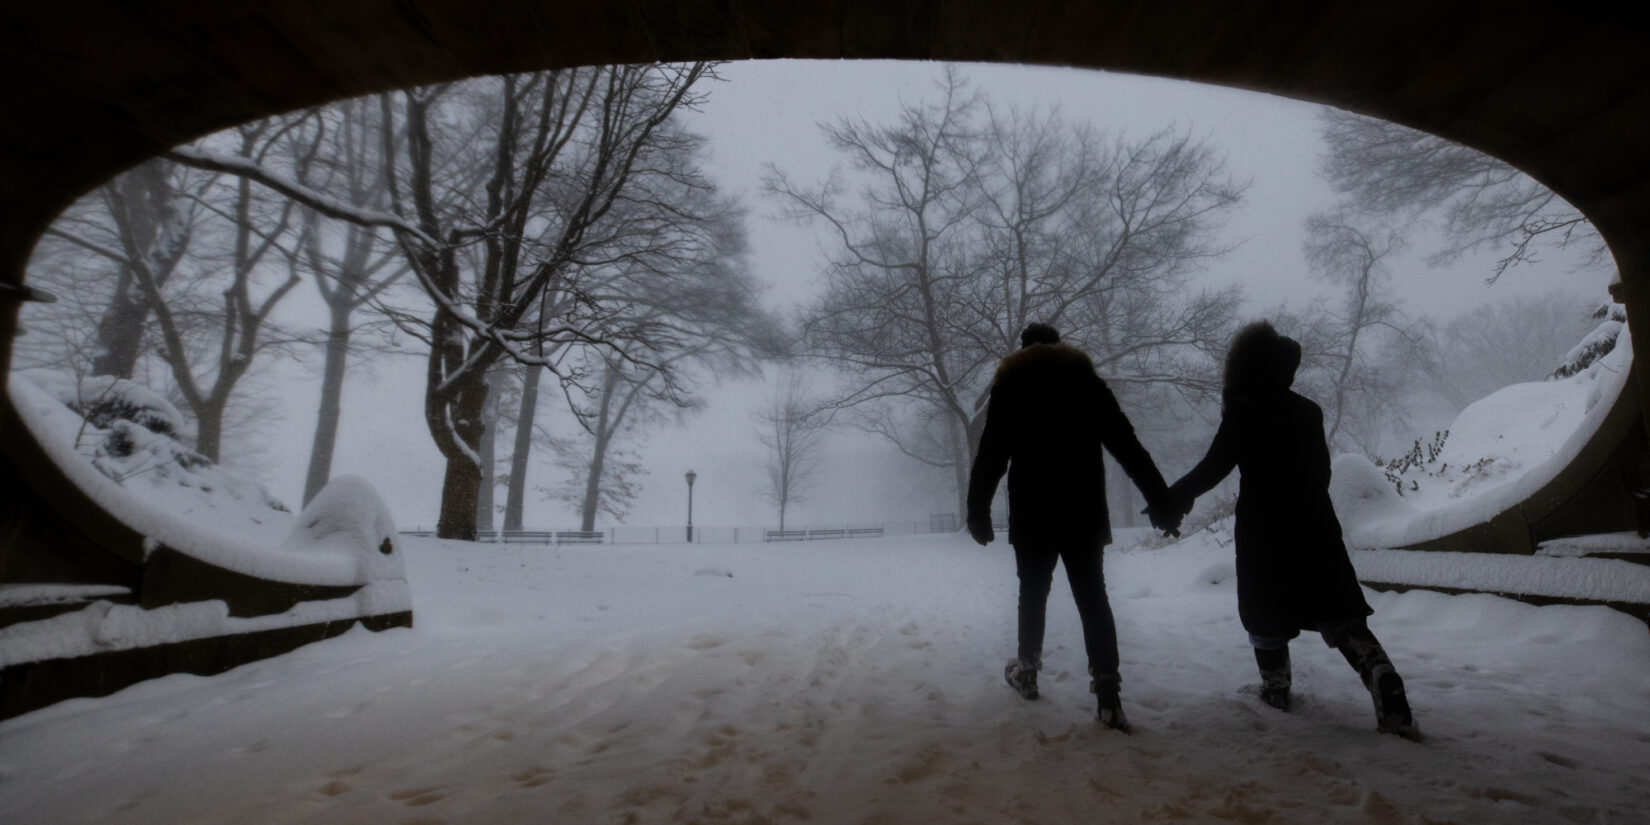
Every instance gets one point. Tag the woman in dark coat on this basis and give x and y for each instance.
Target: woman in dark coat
(1292, 567)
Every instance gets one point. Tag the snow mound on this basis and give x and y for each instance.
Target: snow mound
(1362, 493)
(128, 434)
(347, 518)
(1597, 344)
(102, 399)
(116, 440)
(1499, 451)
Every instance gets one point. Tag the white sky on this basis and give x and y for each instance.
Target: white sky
(769, 112)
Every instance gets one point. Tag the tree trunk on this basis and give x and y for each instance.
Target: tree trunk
(120, 331)
(593, 485)
(962, 463)
(515, 499)
(489, 456)
(605, 426)
(142, 199)
(332, 404)
(461, 484)
(209, 431)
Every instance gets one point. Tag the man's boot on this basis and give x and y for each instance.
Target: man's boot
(1274, 676)
(1108, 689)
(1022, 676)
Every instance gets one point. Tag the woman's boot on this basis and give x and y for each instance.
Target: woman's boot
(1364, 652)
(1274, 676)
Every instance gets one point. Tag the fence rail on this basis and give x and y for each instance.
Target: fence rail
(629, 534)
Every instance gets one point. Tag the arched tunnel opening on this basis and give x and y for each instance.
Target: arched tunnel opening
(1492, 87)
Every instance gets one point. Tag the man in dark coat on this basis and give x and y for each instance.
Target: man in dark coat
(1293, 572)
(1048, 418)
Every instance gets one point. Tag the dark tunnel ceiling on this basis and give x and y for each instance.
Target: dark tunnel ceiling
(1557, 88)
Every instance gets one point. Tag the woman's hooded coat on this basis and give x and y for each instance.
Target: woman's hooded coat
(1048, 419)
(1292, 567)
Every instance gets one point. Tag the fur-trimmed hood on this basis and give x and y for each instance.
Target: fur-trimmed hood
(1043, 356)
(1049, 423)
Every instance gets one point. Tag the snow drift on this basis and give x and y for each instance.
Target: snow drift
(1499, 451)
(116, 440)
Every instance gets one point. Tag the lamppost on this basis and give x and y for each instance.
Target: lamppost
(691, 475)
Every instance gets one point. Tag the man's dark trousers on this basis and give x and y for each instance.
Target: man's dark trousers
(1035, 564)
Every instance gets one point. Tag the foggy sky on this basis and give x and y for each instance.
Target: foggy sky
(768, 112)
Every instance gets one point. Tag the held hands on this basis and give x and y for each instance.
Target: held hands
(979, 526)
(1165, 521)
(1167, 513)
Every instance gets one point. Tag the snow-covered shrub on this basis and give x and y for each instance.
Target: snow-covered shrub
(1598, 343)
(1420, 460)
(129, 433)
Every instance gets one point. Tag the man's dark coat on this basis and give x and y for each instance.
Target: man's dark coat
(1048, 418)
(1292, 567)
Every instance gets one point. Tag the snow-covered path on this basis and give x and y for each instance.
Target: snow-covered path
(849, 682)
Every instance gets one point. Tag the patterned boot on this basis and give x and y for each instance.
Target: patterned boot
(1392, 714)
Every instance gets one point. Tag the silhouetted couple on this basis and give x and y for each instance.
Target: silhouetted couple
(1047, 420)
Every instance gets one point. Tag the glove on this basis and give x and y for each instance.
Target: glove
(979, 526)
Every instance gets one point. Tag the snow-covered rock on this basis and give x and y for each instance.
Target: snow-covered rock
(347, 518)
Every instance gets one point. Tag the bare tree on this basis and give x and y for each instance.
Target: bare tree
(1384, 169)
(791, 427)
(720, 330)
(968, 223)
(688, 311)
(510, 198)
(199, 262)
(351, 266)
(602, 468)
(1357, 352)
(141, 222)
(898, 281)
(255, 226)
(502, 248)
(515, 498)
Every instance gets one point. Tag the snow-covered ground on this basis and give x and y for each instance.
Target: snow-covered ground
(852, 681)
